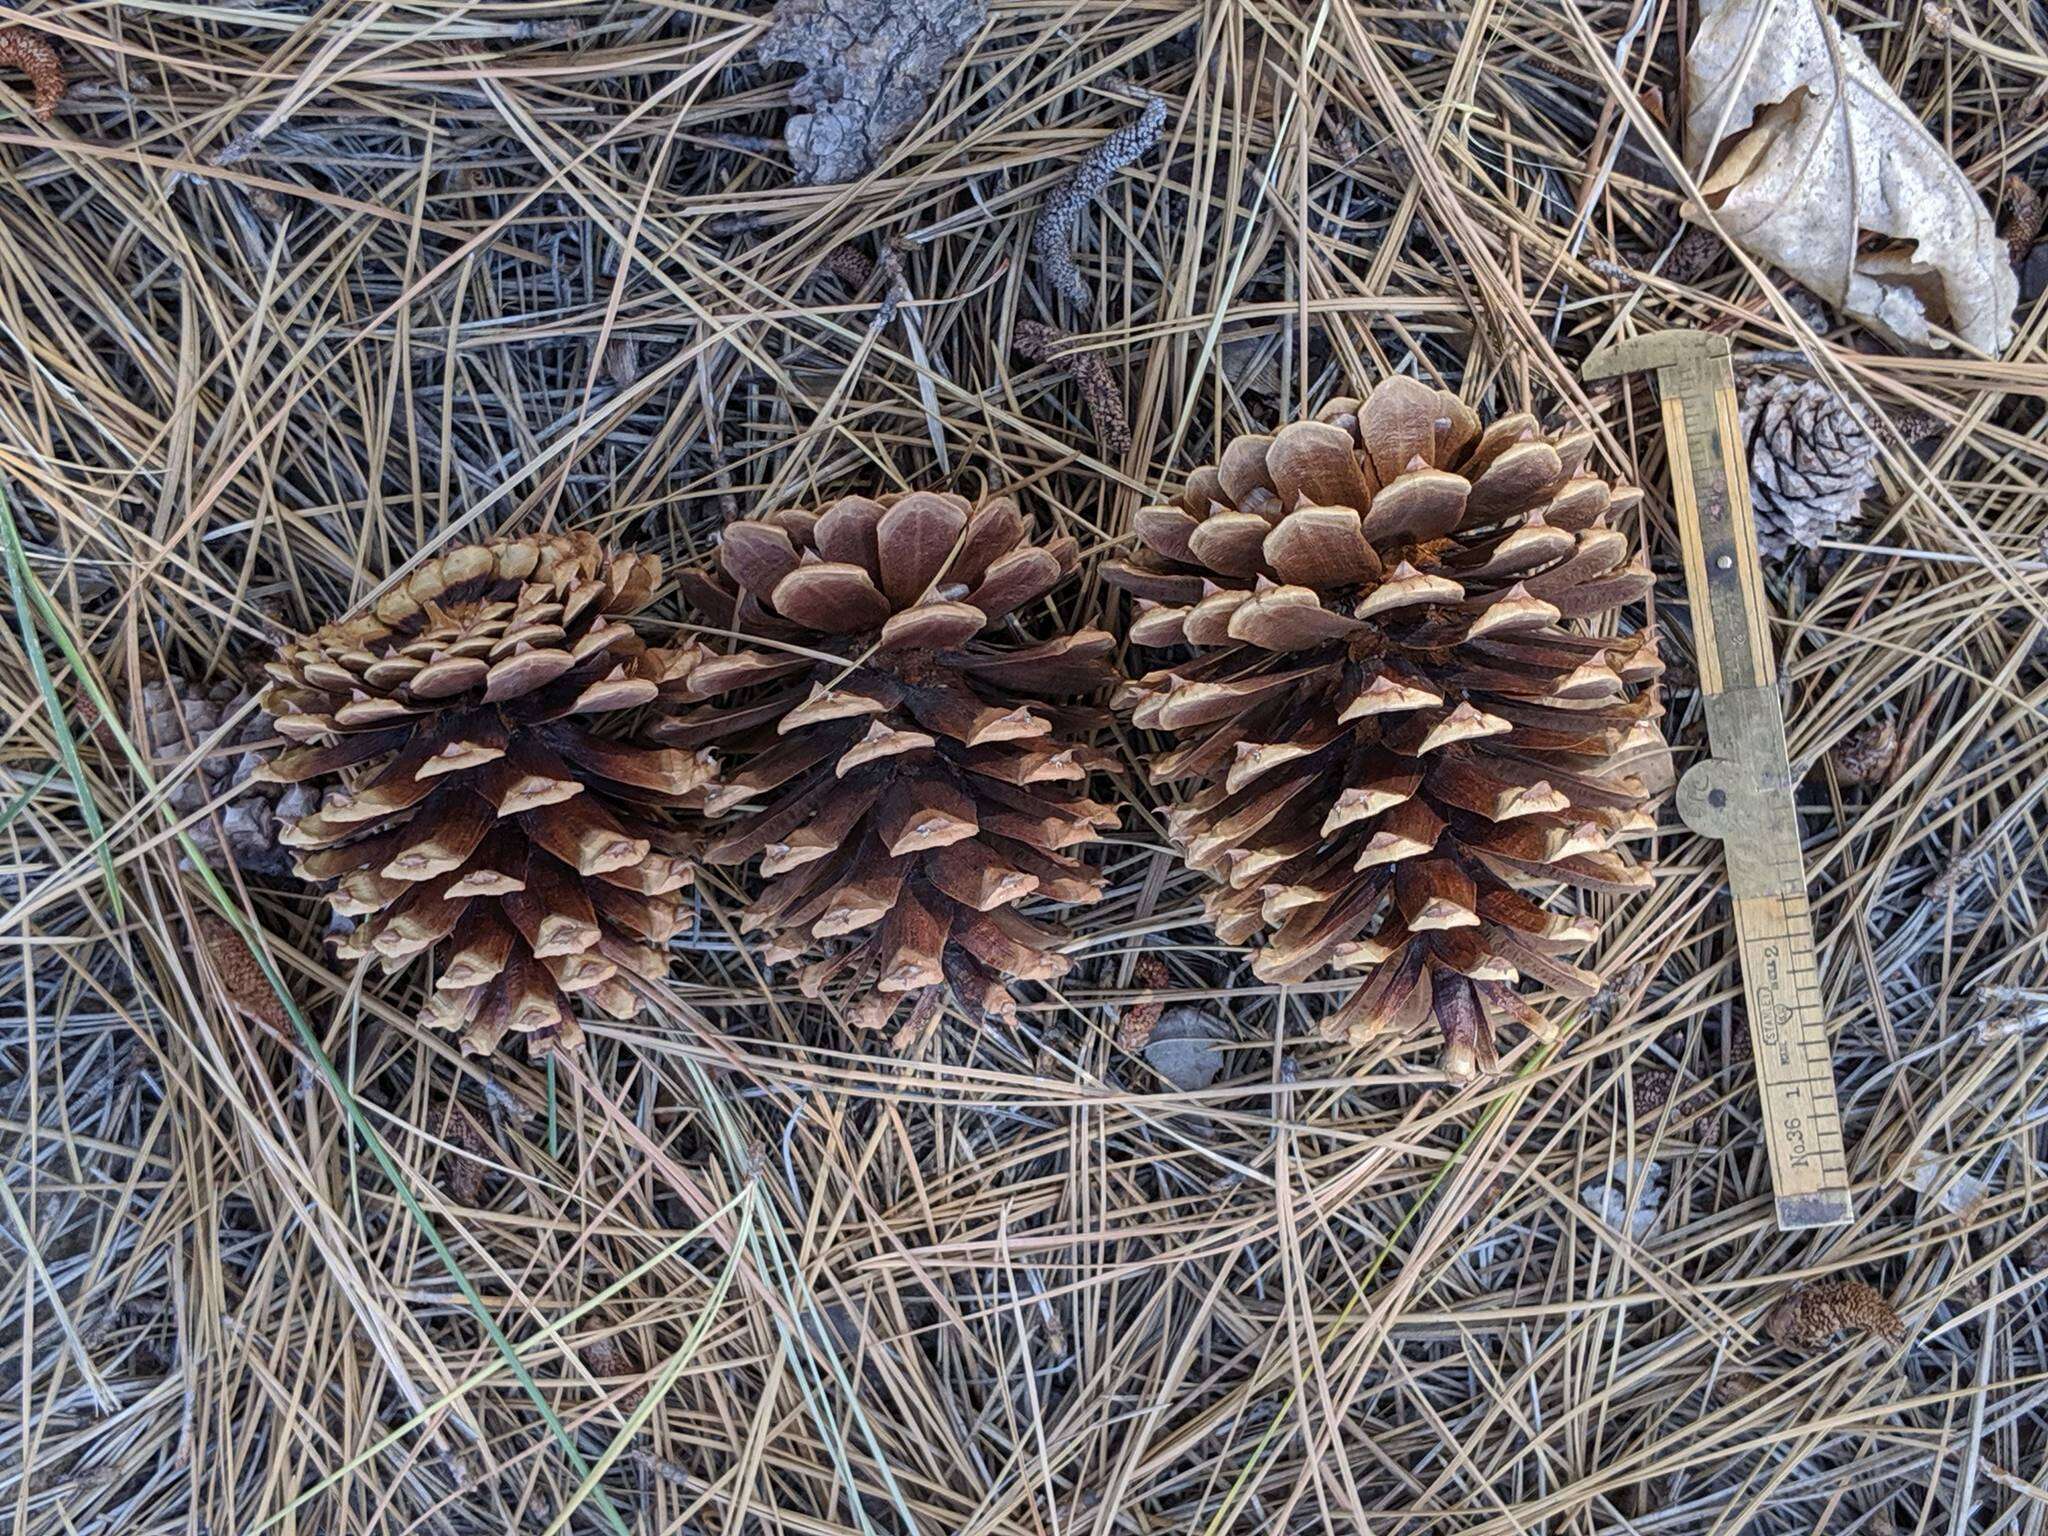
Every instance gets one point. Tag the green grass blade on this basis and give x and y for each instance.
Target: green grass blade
(1255, 1463)
(28, 595)
(24, 581)
(677, 1363)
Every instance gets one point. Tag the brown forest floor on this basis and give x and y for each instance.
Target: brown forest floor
(293, 291)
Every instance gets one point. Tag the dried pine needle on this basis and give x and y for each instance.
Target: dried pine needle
(1004, 1285)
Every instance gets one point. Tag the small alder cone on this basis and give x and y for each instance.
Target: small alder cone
(1390, 731)
(904, 761)
(493, 801)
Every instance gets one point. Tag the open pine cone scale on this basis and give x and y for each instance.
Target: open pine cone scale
(1389, 733)
(905, 765)
(493, 801)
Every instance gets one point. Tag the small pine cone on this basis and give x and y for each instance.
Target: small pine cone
(1813, 1316)
(241, 975)
(608, 1359)
(1866, 754)
(901, 769)
(1811, 459)
(1650, 1089)
(1383, 704)
(1134, 1028)
(465, 1169)
(1693, 254)
(178, 717)
(32, 54)
(1735, 1386)
(2025, 212)
(493, 800)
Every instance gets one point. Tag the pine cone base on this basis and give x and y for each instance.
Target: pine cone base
(242, 811)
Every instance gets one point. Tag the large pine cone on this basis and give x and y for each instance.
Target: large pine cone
(1385, 710)
(1811, 459)
(892, 748)
(493, 797)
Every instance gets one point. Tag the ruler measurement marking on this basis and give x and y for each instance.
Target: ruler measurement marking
(1774, 934)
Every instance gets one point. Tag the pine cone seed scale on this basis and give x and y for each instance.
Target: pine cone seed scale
(905, 763)
(1390, 728)
(493, 803)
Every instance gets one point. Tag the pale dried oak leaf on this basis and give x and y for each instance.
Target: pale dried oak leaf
(1186, 1048)
(872, 66)
(1810, 161)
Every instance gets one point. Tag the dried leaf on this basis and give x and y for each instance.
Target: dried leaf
(872, 68)
(1811, 162)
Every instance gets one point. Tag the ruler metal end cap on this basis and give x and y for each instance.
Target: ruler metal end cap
(1824, 1208)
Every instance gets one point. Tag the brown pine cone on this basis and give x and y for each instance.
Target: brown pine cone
(1820, 1311)
(494, 798)
(898, 765)
(1811, 459)
(1383, 706)
(1866, 754)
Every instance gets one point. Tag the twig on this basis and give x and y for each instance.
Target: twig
(896, 295)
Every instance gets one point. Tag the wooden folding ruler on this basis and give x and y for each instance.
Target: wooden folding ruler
(1742, 795)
